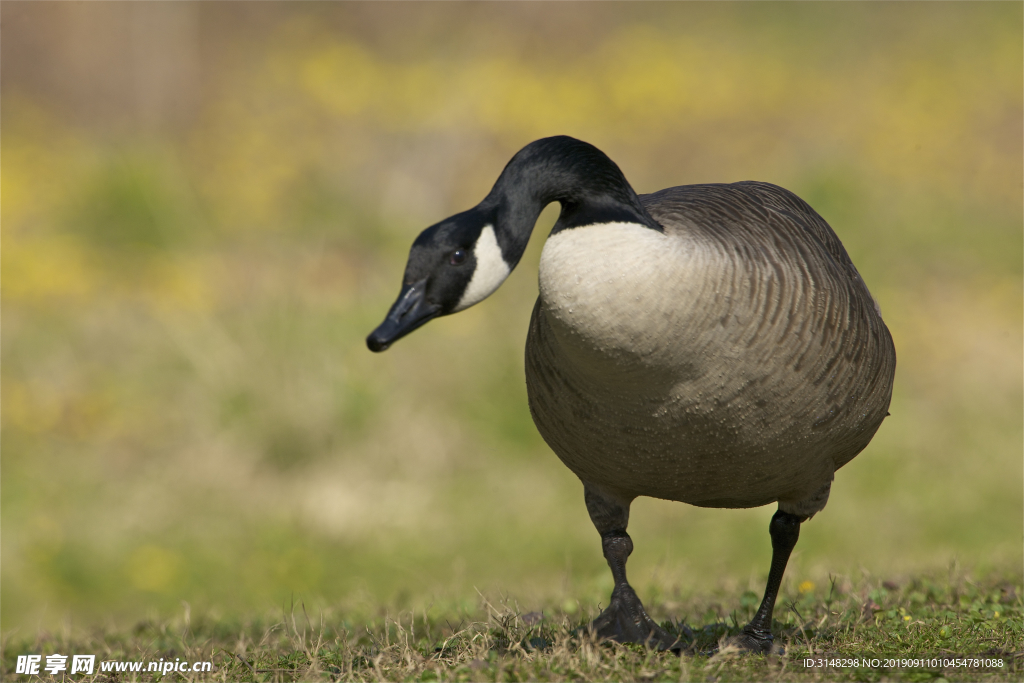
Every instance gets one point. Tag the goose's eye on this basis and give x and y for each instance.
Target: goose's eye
(458, 257)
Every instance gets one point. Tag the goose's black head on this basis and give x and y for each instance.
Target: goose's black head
(452, 265)
(463, 259)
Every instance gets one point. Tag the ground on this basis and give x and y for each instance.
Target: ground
(964, 628)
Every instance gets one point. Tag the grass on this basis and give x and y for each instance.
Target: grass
(928, 616)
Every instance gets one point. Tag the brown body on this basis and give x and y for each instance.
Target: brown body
(735, 360)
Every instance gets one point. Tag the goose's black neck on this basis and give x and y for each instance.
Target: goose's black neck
(589, 186)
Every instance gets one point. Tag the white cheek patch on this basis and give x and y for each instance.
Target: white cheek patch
(491, 270)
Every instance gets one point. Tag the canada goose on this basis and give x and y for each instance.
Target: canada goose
(710, 344)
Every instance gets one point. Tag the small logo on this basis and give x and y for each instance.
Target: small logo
(55, 664)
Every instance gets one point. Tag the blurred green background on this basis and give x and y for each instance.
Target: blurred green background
(207, 206)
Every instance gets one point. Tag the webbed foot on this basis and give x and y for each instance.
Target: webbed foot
(626, 621)
(756, 642)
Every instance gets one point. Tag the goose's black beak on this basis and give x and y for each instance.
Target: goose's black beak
(410, 311)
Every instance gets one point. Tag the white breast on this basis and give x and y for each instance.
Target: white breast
(622, 290)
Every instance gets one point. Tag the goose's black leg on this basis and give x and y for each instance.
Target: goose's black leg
(757, 635)
(624, 620)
